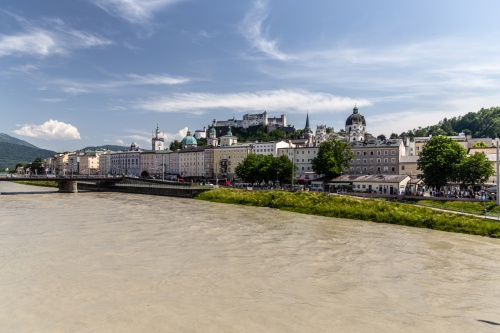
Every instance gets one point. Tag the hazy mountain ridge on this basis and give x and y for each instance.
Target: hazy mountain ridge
(9, 139)
(11, 154)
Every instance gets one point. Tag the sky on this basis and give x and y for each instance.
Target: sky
(99, 72)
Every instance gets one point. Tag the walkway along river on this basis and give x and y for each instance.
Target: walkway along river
(115, 262)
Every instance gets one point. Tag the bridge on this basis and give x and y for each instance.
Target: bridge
(71, 184)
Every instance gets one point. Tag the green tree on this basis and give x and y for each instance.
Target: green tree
(382, 137)
(267, 168)
(475, 170)
(440, 160)
(175, 145)
(334, 157)
(480, 144)
(394, 136)
(283, 167)
(37, 166)
(248, 169)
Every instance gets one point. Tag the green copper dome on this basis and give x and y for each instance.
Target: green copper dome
(189, 139)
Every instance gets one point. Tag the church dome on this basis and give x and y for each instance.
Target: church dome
(355, 118)
(189, 140)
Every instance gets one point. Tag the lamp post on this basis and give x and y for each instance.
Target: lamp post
(277, 173)
(498, 176)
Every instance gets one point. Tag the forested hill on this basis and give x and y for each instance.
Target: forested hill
(11, 154)
(482, 124)
(9, 139)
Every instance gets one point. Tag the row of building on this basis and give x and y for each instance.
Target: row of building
(221, 156)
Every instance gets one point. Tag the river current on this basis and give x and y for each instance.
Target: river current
(114, 262)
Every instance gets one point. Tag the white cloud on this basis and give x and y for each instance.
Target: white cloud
(41, 43)
(153, 80)
(51, 129)
(74, 88)
(51, 100)
(251, 28)
(119, 142)
(169, 137)
(290, 101)
(57, 39)
(135, 11)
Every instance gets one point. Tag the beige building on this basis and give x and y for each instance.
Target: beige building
(227, 158)
(418, 143)
(88, 162)
(191, 162)
(408, 166)
(377, 157)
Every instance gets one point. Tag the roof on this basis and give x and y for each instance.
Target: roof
(364, 178)
(377, 143)
(408, 159)
(355, 118)
(189, 140)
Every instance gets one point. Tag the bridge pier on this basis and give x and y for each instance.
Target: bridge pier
(68, 186)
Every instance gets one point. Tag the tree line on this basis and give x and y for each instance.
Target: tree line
(441, 161)
(482, 124)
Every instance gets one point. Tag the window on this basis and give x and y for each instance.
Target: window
(393, 160)
(402, 167)
(386, 160)
(379, 160)
(358, 153)
(364, 160)
(393, 169)
(371, 153)
(386, 152)
(386, 168)
(393, 152)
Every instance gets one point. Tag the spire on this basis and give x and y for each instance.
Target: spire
(307, 128)
(355, 110)
(157, 128)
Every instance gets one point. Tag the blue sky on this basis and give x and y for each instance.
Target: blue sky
(94, 72)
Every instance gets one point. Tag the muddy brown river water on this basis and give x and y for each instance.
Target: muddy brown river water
(93, 262)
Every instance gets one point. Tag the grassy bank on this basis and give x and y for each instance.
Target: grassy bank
(471, 207)
(358, 209)
(37, 183)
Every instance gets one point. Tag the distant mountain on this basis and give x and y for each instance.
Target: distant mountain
(9, 139)
(11, 154)
(107, 147)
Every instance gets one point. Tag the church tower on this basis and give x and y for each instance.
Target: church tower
(157, 142)
(355, 126)
(212, 140)
(308, 134)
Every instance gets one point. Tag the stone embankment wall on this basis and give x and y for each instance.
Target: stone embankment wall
(184, 192)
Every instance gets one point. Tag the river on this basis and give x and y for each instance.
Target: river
(100, 262)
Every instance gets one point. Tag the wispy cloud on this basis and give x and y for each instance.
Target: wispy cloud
(51, 100)
(291, 101)
(51, 37)
(51, 129)
(127, 80)
(135, 11)
(252, 28)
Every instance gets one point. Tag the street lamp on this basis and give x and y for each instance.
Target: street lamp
(498, 176)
